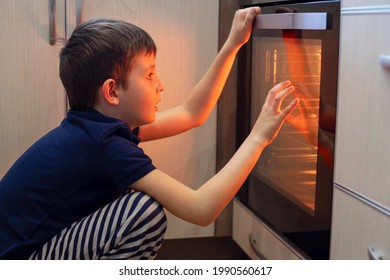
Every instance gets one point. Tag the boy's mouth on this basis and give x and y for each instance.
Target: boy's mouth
(155, 106)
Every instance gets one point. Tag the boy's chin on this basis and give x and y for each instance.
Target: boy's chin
(149, 121)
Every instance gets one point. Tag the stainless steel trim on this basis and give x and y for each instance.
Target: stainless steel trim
(383, 9)
(377, 206)
(300, 21)
(258, 2)
(52, 22)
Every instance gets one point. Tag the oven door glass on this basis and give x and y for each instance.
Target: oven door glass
(289, 164)
(290, 188)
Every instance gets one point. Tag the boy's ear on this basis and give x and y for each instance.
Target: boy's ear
(109, 92)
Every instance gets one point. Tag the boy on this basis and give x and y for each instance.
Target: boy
(86, 190)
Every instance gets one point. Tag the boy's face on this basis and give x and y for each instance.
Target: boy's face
(138, 103)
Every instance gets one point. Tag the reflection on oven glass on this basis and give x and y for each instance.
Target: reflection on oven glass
(289, 164)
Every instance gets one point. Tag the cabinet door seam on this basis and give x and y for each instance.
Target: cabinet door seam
(374, 204)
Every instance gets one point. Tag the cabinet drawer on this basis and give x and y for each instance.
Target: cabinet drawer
(247, 227)
(355, 227)
(362, 153)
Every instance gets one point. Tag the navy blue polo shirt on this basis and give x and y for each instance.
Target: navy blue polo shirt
(77, 168)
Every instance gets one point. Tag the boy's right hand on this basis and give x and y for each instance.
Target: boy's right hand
(271, 117)
(242, 26)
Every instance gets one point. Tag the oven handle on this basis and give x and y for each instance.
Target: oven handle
(300, 21)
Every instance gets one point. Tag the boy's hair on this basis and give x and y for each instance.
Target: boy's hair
(100, 49)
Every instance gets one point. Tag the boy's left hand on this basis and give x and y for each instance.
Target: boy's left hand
(242, 26)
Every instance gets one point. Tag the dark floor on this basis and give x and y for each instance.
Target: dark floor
(209, 248)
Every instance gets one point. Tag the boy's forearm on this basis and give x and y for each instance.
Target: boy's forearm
(206, 93)
(220, 189)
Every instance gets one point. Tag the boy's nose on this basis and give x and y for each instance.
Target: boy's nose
(160, 86)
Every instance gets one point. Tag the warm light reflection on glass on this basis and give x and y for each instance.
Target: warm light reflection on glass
(304, 64)
(289, 164)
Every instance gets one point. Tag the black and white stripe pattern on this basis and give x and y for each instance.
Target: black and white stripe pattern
(131, 227)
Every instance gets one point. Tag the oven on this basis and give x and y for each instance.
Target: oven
(290, 188)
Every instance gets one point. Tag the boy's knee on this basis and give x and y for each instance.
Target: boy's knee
(149, 208)
(148, 200)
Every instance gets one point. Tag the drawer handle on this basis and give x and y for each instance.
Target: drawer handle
(385, 61)
(79, 12)
(52, 22)
(373, 254)
(252, 241)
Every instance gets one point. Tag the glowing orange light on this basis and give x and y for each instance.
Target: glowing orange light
(305, 73)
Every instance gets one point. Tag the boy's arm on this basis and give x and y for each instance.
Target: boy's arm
(203, 205)
(197, 107)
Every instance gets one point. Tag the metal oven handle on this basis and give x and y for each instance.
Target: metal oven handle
(300, 21)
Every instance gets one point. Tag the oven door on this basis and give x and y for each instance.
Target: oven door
(290, 187)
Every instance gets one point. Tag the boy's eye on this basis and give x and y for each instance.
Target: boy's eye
(150, 76)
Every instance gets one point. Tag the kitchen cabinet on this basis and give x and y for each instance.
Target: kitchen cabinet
(361, 205)
(358, 227)
(186, 35)
(32, 96)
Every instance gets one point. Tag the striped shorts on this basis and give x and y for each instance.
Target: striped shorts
(131, 227)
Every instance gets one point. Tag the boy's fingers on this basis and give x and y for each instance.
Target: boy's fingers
(275, 90)
(256, 10)
(281, 96)
(250, 14)
(279, 87)
(286, 111)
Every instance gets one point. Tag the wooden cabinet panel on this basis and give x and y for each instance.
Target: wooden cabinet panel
(361, 197)
(32, 96)
(356, 226)
(363, 126)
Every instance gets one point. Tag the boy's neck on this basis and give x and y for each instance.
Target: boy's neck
(108, 112)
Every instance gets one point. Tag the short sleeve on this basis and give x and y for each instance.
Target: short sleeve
(122, 161)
